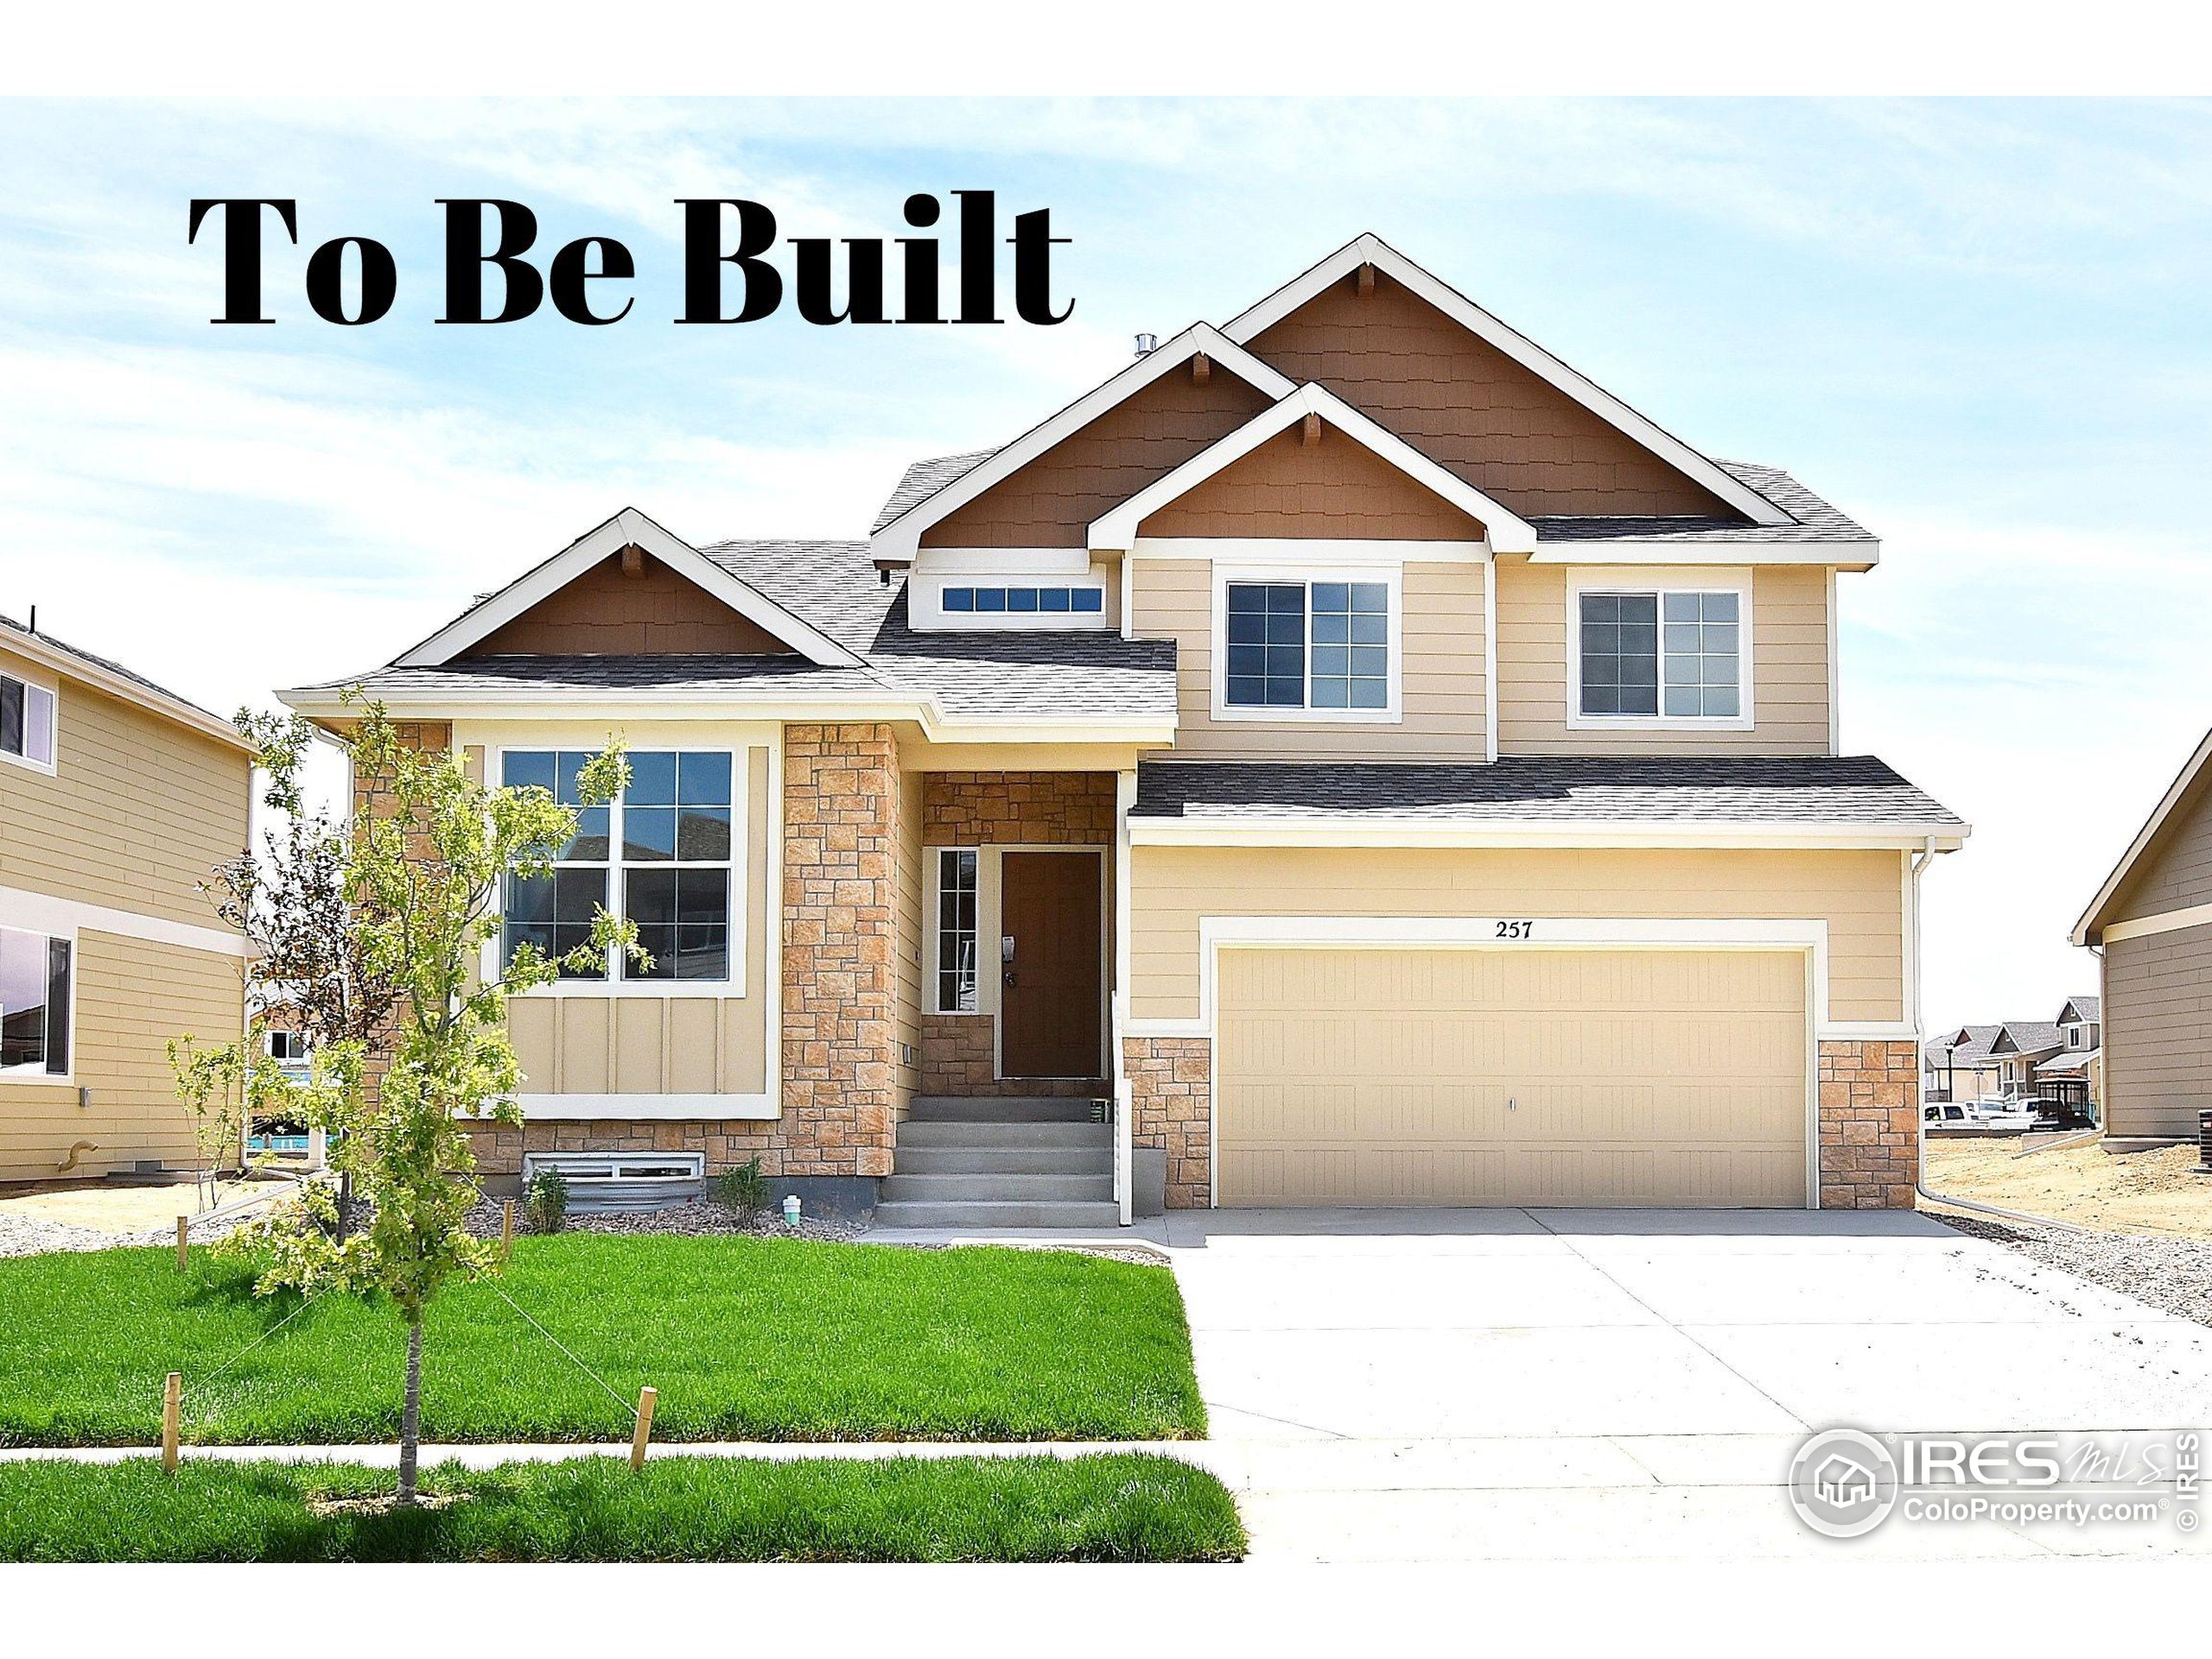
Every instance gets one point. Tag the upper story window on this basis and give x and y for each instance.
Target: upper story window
(37, 976)
(1661, 654)
(1073, 601)
(1320, 646)
(26, 722)
(661, 855)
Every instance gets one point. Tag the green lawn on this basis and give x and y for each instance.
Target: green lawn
(745, 1338)
(1119, 1508)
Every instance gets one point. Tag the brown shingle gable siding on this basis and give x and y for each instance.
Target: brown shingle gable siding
(1336, 488)
(1051, 501)
(604, 613)
(1466, 404)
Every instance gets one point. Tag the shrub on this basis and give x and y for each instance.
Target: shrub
(545, 1201)
(743, 1188)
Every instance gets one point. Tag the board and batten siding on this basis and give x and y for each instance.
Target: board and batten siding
(1790, 668)
(636, 1043)
(132, 995)
(1860, 894)
(136, 812)
(1441, 674)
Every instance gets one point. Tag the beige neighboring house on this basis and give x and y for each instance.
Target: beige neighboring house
(2060, 1058)
(1344, 757)
(116, 797)
(2151, 923)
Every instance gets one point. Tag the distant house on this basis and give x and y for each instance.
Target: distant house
(2058, 1058)
(116, 797)
(2151, 924)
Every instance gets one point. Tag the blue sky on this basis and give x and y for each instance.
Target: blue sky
(1977, 326)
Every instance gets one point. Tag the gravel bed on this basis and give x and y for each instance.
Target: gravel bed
(2174, 1273)
(699, 1219)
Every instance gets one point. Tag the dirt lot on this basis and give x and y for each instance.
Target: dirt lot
(2154, 1192)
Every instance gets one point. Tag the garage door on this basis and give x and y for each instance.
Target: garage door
(1536, 1077)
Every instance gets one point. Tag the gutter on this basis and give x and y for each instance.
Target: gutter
(1921, 860)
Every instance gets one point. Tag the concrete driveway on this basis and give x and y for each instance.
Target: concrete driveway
(1612, 1384)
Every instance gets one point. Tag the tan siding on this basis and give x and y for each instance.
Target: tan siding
(1859, 894)
(604, 613)
(1789, 669)
(1051, 501)
(2176, 872)
(2158, 1014)
(1461, 401)
(1442, 693)
(1336, 488)
(640, 1044)
(133, 997)
(137, 812)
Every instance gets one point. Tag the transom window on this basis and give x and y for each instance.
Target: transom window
(26, 721)
(956, 931)
(1081, 602)
(36, 975)
(664, 846)
(1299, 645)
(1673, 653)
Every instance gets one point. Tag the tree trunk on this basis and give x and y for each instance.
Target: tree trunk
(410, 1413)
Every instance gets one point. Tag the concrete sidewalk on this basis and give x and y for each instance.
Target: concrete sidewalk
(1619, 1385)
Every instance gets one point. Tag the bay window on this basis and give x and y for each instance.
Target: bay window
(661, 854)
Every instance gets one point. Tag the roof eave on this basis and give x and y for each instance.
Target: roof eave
(1369, 829)
(121, 687)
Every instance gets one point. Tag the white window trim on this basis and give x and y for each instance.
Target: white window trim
(1660, 584)
(16, 1076)
(52, 690)
(933, 943)
(925, 612)
(616, 984)
(1392, 576)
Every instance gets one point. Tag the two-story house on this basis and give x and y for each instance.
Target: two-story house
(1377, 763)
(117, 799)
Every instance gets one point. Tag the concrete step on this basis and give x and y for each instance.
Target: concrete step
(990, 1216)
(1010, 1109)
(1082, 1160)
(929, 1133)
(991, 1188)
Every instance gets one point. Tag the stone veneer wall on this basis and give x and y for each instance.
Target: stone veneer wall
(1870, 1125)
(372, 799)
(1001, 809)
(1171, 1085)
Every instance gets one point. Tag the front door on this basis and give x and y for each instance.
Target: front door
(1051, 980)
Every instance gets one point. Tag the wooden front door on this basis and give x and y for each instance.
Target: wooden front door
(1051, 987)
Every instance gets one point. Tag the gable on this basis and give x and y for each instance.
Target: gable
(2174, 872)
(643, 608)
(1333, 489)
(1498, 424)
(1050, 501)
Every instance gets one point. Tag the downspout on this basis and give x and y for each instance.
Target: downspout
(1921, 860)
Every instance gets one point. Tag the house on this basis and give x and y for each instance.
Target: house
(1371, 761)
(2058, 1058)
(116, 798)
(2151, 923)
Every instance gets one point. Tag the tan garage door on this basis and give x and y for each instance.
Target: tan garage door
(1511, 1076)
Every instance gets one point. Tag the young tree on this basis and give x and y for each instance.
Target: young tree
(421, 888)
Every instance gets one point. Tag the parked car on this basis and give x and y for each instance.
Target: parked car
(1984, 1117)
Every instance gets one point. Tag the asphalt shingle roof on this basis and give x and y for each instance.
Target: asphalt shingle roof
(924, 480)
(1813, 519)
(108, 664)
(1755, 789)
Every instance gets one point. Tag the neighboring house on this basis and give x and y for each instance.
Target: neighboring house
(2058, 1058)
(116, 798)
(2151, 923)
(1387, 765)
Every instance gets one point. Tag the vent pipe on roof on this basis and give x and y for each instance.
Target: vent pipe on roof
(1147, 344)
(34, 628)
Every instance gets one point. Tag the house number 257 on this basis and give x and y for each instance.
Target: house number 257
(1516, 930)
